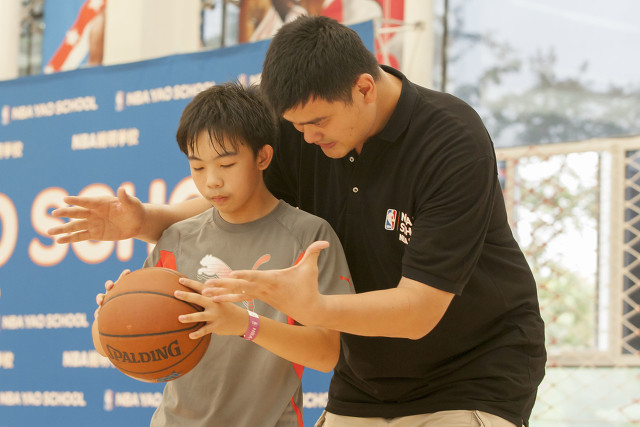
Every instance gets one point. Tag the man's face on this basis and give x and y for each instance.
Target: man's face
(335, 126)
(230, 180)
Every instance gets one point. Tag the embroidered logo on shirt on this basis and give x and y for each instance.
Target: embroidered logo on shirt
(390, 221)
(402, 223)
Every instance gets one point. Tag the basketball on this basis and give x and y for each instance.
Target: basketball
(139, 328)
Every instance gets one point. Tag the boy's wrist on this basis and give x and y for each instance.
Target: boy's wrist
(253, 327)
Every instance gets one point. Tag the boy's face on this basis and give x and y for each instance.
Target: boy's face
(231, 181)
(336, 127)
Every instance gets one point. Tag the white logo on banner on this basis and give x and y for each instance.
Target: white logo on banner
(6, 114)
(114, 138)
(11, 149)
(49, 109)
(84, 359)
(6, 360)
(44, 321)
(312, 400)
(136, 98)
(42, 398)
(130, 399)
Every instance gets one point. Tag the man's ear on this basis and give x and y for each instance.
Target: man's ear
(265, 154)
(365, 87)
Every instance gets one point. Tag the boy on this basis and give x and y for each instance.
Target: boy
(226, 133)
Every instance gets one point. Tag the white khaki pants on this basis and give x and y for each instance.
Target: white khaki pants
(436, 419)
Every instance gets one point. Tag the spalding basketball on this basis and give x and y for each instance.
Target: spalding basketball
(139, 328)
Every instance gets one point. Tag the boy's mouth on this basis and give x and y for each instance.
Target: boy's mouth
(219, 199)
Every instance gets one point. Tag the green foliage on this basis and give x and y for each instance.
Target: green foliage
(561, 201)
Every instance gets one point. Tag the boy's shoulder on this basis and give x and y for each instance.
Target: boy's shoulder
(189, 225)
(295, 217)
(303, 226)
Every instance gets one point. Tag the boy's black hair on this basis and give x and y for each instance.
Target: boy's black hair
(314, 57)
(232, 115)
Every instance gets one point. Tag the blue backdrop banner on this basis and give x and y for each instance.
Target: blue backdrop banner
(88, 132)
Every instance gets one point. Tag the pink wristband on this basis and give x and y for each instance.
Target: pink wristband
(254, 324)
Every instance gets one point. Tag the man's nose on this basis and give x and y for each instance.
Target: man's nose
(311, 134)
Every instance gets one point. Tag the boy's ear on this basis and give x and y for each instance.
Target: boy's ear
(265, 154)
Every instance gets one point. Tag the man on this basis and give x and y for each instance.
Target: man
(445, 327)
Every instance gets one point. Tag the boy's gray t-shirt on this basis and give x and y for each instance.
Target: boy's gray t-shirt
(238, 383)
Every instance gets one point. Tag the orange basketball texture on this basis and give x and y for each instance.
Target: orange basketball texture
(139, 328)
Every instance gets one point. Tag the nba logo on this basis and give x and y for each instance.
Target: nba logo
(108, 400)
(6, 115)
(119, 100)
(390, 222)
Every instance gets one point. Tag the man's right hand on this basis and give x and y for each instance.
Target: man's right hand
(99, 218)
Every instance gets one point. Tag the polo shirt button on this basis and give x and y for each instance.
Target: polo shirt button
(352, 159)
(355, 189)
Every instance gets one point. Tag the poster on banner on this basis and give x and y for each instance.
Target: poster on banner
(88, 132)
(74, 34)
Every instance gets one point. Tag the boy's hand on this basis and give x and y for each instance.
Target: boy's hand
(220, 318)
(99, 218)
(293, 291)
(107, 286)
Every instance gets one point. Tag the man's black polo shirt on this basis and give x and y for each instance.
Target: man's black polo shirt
(422, 200)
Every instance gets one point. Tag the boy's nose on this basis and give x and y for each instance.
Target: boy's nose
(214, 181)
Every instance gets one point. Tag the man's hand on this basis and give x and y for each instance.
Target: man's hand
(221, 318)
(100, 218)
(293, 291)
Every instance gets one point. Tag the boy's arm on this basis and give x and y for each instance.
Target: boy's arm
(118, 218)
(315, 348)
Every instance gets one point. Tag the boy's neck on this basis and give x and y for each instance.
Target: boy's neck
(261, 204)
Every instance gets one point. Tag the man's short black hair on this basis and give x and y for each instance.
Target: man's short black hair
(232, 115)
(314, 57)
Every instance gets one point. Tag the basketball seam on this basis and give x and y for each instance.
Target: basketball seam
(104, 334)
(197, 307)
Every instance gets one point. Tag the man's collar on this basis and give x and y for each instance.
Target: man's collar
(401, 115)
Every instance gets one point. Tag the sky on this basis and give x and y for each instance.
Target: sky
(606, 35)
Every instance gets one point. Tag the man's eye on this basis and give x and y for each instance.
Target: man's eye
(197, 169)
(227, 165)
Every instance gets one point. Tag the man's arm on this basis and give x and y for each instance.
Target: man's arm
(410, 310)
(121, 217)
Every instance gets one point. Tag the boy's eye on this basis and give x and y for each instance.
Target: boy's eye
(227, 165)
(197, 168)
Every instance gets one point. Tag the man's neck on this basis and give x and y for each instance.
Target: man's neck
(389, 88)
